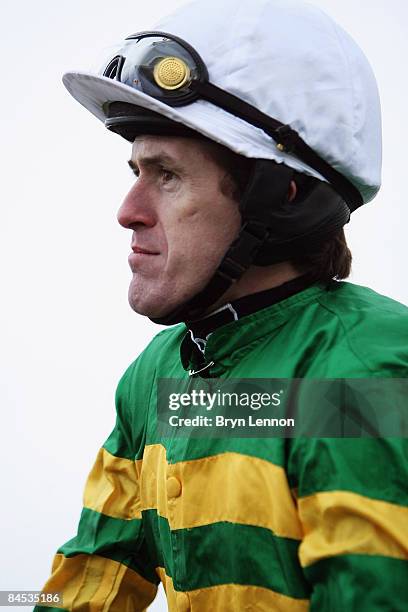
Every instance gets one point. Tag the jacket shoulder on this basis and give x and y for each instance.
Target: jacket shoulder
(164, 344)
(376, 326)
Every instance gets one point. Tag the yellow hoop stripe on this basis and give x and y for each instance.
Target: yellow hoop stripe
(257, 491)
(229, 597)
(95, 583)
(112, 487)
(340, 523)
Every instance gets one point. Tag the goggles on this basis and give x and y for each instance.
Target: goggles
(168, 69)
(161, 66)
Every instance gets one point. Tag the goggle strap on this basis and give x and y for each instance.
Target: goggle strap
(288, 139)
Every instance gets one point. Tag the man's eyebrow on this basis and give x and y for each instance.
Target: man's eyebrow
(154, 160)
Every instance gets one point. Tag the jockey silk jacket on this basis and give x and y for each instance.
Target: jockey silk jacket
(250, 524)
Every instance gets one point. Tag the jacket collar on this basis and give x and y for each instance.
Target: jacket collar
(230, 328)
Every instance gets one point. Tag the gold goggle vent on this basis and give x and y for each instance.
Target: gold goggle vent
(171, 73)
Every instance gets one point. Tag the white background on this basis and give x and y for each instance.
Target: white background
(67, 332)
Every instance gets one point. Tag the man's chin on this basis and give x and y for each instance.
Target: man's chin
(153, 309)
(155, 304)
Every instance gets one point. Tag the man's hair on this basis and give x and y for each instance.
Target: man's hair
(330, 260)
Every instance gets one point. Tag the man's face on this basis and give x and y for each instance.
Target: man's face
(181, 222)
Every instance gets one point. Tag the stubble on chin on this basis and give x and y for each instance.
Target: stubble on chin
(159, 300)
(149, 301)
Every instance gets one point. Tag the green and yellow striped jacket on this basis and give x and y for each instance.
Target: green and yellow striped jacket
(244, 524)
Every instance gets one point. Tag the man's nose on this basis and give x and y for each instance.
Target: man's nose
(136, 208)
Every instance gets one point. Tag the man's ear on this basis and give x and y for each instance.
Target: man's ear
(292, 191)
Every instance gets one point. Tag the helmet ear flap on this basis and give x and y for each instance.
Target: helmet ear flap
(299, 227)
(305, 185)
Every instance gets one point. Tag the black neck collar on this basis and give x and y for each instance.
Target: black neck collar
(233, 311)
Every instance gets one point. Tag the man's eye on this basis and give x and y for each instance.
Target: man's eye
(166, 175)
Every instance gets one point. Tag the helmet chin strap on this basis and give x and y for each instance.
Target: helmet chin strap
(267, 192)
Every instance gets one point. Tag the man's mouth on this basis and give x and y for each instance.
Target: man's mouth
(139, 255)
(142, 250)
